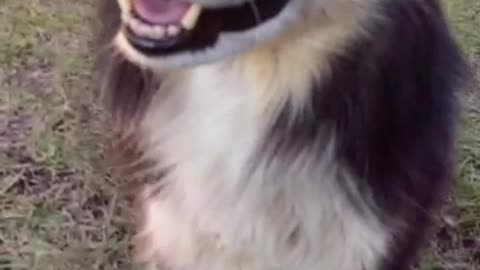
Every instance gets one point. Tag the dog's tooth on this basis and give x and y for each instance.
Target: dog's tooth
(144, 29)
(158, 31)
(155, 32)
(173, 30)
(191, 17)
(134, 24)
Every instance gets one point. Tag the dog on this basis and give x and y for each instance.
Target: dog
(286, 134)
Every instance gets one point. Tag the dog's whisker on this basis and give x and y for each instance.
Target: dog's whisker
(256, 11)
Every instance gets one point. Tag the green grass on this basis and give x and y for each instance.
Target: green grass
(57, 208)
(465, 18)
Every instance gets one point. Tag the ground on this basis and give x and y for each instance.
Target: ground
(59, 211)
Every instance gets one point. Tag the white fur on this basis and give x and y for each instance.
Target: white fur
(211, 215)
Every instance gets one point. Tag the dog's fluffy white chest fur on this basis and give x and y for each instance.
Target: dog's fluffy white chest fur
(214, 213)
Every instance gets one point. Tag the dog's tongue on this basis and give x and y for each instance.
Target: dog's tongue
(160, 11)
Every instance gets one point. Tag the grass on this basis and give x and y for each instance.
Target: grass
(465, 19)
(59, 211)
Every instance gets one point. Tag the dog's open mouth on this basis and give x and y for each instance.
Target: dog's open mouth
(158, 27)
(161, 23)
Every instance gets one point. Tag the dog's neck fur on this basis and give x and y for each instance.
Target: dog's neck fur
(224, 215)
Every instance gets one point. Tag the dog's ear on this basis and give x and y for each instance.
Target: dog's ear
(125, 88)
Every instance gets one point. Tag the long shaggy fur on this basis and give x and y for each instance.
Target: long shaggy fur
(328, 146)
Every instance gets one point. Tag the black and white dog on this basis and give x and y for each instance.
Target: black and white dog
(282, 134)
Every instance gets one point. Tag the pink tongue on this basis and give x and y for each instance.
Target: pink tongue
(160, 11)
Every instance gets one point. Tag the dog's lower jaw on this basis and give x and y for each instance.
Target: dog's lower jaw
(226, 45)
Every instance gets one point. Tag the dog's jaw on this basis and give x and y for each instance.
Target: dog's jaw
(202, 46)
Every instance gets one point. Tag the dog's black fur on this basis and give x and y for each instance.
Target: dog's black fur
(392, 105)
